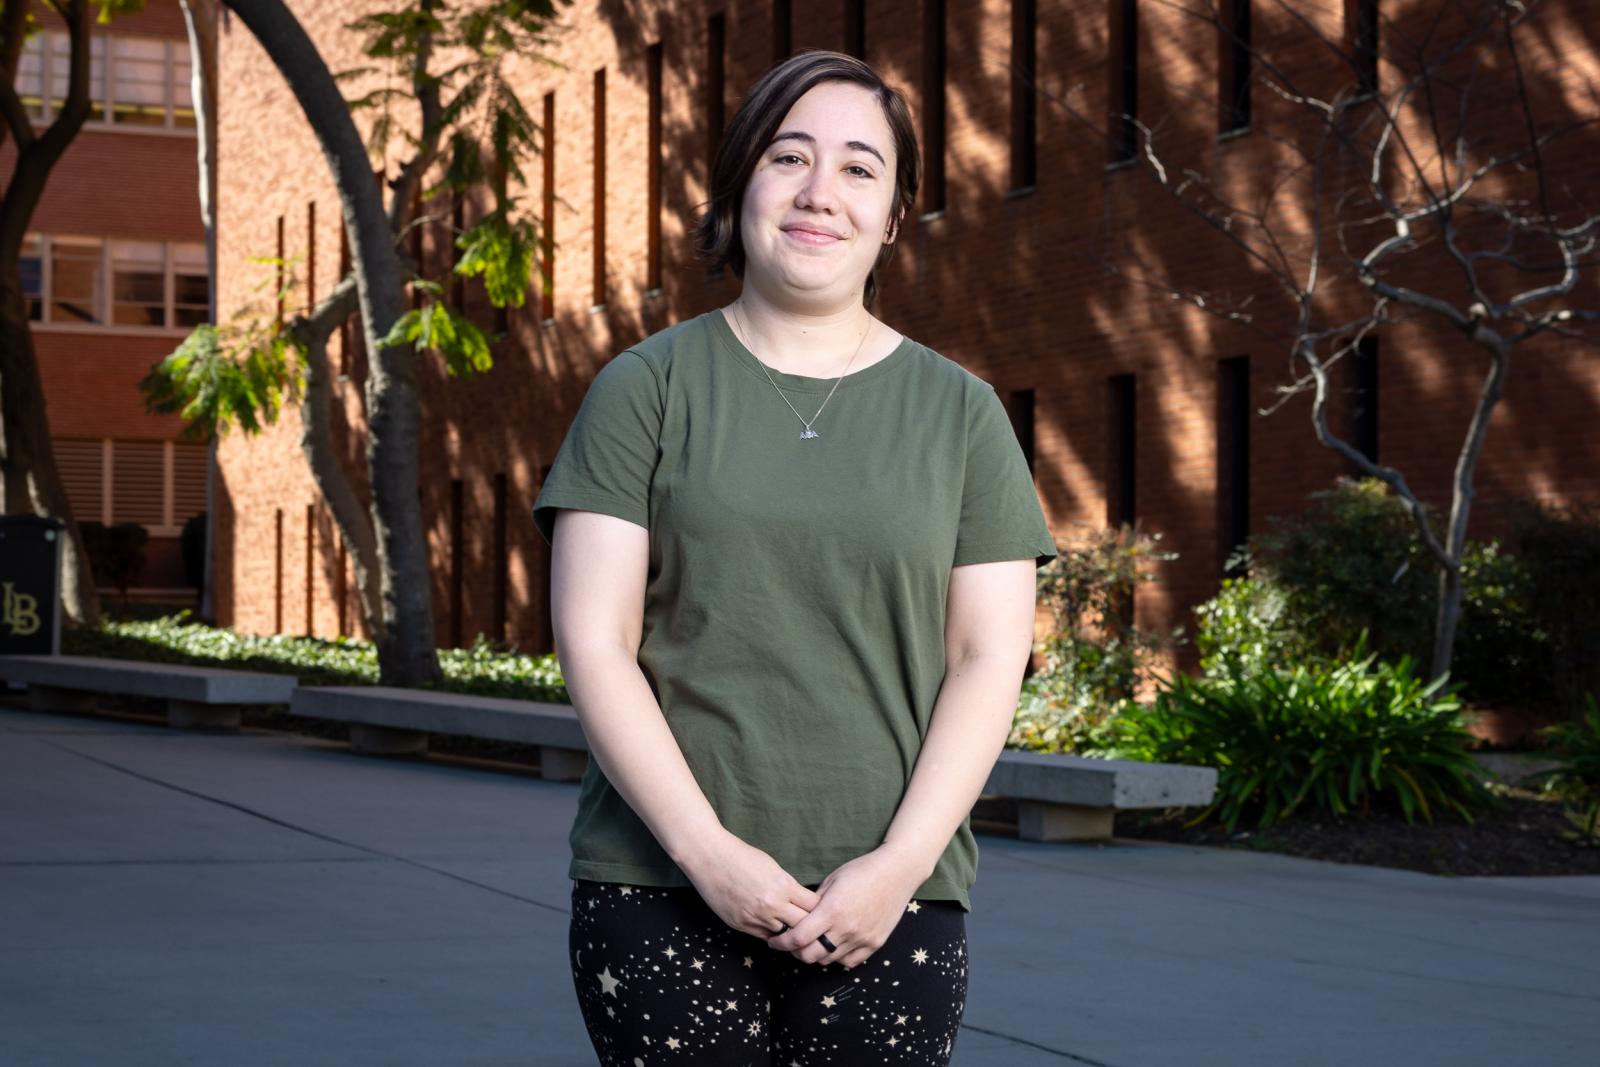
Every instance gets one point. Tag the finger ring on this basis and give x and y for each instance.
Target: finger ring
(782, 926)
(826, 943)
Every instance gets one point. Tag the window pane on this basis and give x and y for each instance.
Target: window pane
(138, 288)
(77, 280)
(61, 69)
(182, 99)
(30, 76)
(191, 293)
(139, 81)
(31, 267)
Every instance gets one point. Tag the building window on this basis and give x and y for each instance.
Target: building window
(782, 30)
(599, 264)
(1024, 95)
(855, 28)
(138, 283)
(191, 286)
(1019, 405)
(716, 89)
(1124, 88)
(30, 77)
(140, 78)
(1363, 372)
(933, 90)
(30, 265)
(77, 280)
(154, 284)
(547, 301)
(653, 73)
(1233, 459)
(1234, 65)
(145, 84)
(1361, 25)
(1121, 449)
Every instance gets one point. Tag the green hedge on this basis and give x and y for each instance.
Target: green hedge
(480, 669)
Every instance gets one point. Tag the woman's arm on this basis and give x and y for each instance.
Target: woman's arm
(598, 567)
(597, 579)
(988, 635)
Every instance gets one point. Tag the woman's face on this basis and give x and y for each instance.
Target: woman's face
(816, 208)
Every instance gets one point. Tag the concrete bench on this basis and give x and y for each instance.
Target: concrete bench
(1076, 798)
(391, 721)
(196, 697)
(1059, 798)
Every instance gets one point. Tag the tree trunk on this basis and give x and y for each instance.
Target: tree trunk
(32, 483)
(316, 443)
(1450, 590)
(405, 636)
(27, 461)
(200, 22)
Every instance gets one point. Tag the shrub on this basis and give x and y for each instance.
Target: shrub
(1352, 563)
(116, 552)
(1561, 550)
(1576, 745)
(1248, 623)
(1334, 735)
(1577, 777)
(1095, 655)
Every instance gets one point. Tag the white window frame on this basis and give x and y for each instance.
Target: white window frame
(101, 120)
(103, 311)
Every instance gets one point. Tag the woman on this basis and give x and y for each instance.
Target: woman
(793, 561)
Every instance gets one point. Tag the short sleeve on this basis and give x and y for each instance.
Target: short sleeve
(608, 458)
(1000, 513)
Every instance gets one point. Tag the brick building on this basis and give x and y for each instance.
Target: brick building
(1131, 406)
(115, 269)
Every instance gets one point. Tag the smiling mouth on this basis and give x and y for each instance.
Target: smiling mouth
(812, 237)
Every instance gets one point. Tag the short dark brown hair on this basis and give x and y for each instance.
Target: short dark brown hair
(716, 234)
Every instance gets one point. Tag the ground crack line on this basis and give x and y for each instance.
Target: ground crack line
(1074, 1057)
(309, 832)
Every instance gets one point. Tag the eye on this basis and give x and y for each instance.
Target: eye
(865, 173)
(786, 156)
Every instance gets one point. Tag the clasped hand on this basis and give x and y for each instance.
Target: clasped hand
(858, 906)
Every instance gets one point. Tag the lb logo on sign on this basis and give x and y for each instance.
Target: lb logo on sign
(20, 612)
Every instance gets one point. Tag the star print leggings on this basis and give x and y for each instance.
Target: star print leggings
(662, 980)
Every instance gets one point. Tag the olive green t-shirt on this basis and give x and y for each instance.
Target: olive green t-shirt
(794, 610)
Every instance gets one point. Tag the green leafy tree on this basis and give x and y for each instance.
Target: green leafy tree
(442, 65)
(32, 483)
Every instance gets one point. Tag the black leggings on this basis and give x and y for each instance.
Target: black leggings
(663, 980)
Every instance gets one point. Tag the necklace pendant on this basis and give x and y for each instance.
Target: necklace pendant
(809, 433)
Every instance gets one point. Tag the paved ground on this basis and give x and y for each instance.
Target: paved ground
(184, 898)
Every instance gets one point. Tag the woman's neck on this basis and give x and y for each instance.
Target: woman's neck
(818, 344)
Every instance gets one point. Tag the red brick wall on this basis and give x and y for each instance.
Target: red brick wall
(1010, 286)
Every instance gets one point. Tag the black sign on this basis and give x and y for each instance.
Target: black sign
(30, 585)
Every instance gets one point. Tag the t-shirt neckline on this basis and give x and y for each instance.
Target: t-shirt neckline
(801, 383)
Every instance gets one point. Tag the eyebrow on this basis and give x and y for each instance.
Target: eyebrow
(800, 135)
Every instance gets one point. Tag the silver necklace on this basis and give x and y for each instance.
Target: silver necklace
(808, 432)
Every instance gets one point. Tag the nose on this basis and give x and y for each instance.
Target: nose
(817, 191)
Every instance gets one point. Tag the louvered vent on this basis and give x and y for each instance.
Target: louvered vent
(82, 472)
(137, 482)
(188, 481)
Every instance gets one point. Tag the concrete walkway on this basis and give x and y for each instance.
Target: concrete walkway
(183, 898)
